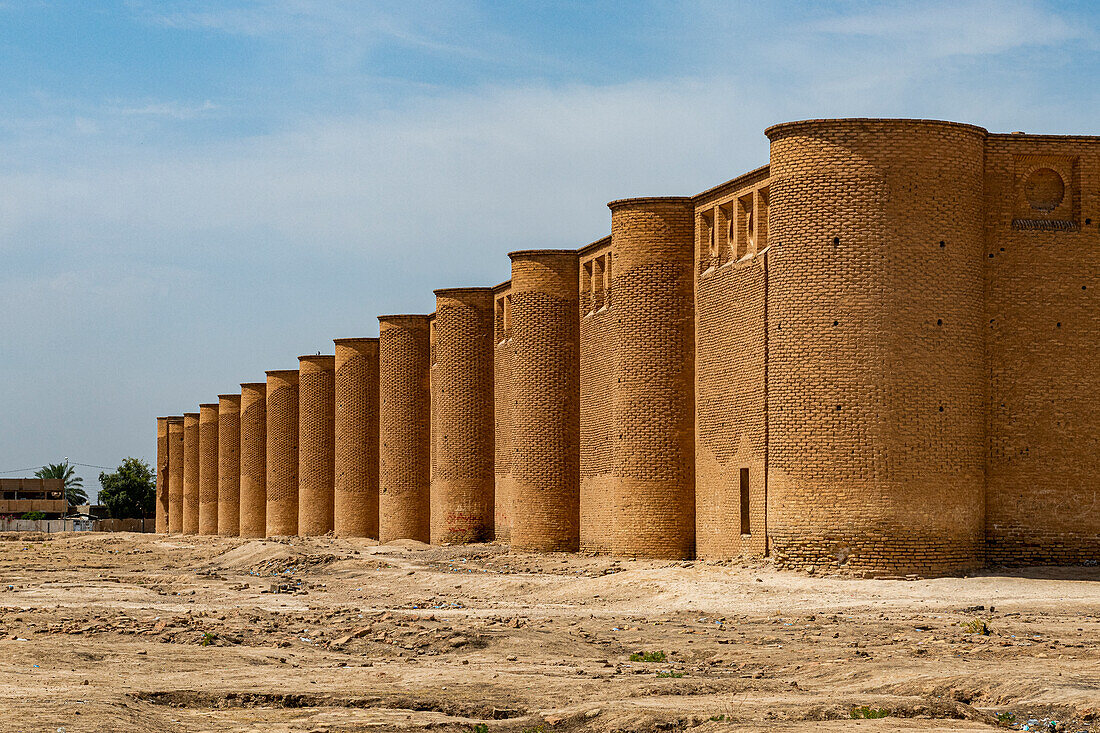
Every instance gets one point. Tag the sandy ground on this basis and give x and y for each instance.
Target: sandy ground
(130, 632)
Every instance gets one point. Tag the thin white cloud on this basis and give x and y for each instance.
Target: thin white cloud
(341, 27)
(956, 28)
(173, 110)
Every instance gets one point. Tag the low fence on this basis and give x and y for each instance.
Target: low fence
(76, 525)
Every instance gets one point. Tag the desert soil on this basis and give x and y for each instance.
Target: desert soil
(132, 632)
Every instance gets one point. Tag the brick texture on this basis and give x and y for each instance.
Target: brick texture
(502, 412)
(161, 510)
(1042, 340)
(229, 465)
(175, 474)
(208, 468)
(876, 353)
(190, 503)
(597, 389)
(316, 446)
(545, 392)
(404, 428)
(730, 368)
(653, 408)
(462, 484)
(253, 514)
(356, 438)
(282, 452)
(875, 375)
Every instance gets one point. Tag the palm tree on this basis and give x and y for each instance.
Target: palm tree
(74, 485)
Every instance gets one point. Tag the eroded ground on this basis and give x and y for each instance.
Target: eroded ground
(113, 632)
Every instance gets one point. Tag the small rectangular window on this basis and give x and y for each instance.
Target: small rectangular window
(745, 523)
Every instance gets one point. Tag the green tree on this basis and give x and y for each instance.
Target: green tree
(33, 515)
(74, 485)
(131, 491)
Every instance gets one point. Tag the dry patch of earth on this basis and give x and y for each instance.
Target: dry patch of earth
(113, 632)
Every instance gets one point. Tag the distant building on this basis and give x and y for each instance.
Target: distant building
(21, 495)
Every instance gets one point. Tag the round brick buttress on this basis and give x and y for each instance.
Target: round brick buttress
(316, 392)
(175, 474)
(208, 468)
(253, 522)
(355, 496)
(876, 353)
(462, 485)
(161, 516)
(653, 403)
(545, 396)
(190, 473)
(229, 465)
(403, 431)
(282, 452)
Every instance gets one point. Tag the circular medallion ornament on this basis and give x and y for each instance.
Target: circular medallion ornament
(1044, 189)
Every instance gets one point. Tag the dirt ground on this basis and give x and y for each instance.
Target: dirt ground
(131, 632)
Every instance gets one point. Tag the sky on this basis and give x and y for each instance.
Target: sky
(194, 192)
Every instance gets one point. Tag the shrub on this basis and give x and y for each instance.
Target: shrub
(976, 626)
(648, 657)
(869, 713)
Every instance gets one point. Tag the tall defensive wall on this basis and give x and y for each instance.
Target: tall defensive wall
(876, 353)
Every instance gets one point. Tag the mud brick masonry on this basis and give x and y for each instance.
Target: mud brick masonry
(878, 352)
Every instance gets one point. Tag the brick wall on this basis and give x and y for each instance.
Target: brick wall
(175, 474)
(462, 485)
(597, 384)
(502, 412)
(653, 512)
(404, 428)
(731, 424)
(545, 395)
(282, 452)
(162, 476)
(208, 468)
(876, 358)
(356, 434)
(876, 352)
(316, 447)
(253, 522)
(190, 503)
(229, 465)
(1042, 329)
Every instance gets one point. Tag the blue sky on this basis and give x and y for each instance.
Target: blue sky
(194, 192)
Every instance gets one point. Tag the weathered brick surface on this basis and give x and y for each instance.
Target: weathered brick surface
(282, 452)
(403, 430)
(190, 503)
(545, 322)
(876, 423)
(877, 352)
(161, 515)
(356, 436)
(597, 388)
(229, 465)
(730, 364)
(462, 484)
(1042, 335)
(502, 411)
(253, 514)
(316, 445)
(653, 407)
(175, 474)
(208, 468)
